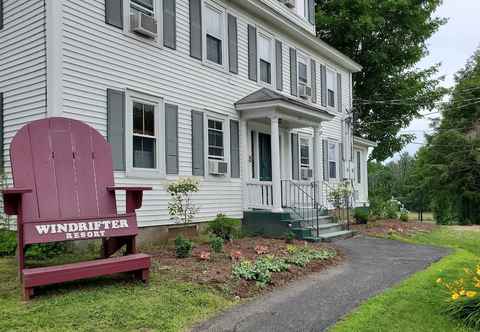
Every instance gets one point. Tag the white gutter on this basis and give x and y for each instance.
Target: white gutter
(364, 142)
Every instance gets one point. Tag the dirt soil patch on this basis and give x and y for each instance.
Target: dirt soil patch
(217, 271)
(384, 228)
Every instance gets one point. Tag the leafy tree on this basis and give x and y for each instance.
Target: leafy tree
(450, 162)
(387, 37)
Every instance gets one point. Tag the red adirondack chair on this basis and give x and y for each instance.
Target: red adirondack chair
(64, 190)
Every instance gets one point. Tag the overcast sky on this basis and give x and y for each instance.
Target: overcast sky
(452, 45)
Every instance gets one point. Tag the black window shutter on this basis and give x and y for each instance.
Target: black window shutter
(169, 24)
(340, 161)
(114, 13)
(196, 29)
(116, 127)
(1, 14)
(198, 161)
(313, 70)
(234, 149)
(279, 64)
(171, 138)
(252, 53)
(323, 87)
(295, 161)
(326, 173)
(232, 44)
(339, 93)
(293, 72)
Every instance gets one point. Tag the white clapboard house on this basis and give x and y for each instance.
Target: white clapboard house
(238, 93)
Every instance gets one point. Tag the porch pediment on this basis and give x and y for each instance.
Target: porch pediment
(265, 101)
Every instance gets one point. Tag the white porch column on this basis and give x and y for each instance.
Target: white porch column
(244, 161)
(276, 181)
(317, 153)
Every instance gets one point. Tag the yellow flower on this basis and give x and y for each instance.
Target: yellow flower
(455, 296)
(439, 280)
(462, 292)
(471, 294)
(477, 285)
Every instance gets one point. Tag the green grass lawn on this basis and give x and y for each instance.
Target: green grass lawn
(416, 304)
(105, 305)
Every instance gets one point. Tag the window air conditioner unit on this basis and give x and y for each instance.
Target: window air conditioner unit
(304, 91)
(288, 3)
(307, 173)
(144, 25)
(217, 167)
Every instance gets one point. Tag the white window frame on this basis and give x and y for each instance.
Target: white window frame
(269, 36)
(302, 58)
(303, 15)
(334, 88)
(158, 14)
(309, 144)
(213, 157)
(223, 12)
(335, 159)
(226, 141)
(159, 122)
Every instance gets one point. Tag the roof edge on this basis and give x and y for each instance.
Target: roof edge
(364, 142)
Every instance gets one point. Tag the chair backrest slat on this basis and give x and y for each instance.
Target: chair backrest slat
(68, 165)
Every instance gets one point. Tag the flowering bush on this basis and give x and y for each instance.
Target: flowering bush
(181, 207)
(261, 250)
(464, 300)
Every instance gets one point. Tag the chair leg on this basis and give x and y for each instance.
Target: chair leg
(27, 293)
(142, 275)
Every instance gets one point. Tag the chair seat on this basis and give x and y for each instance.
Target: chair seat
(61, 273)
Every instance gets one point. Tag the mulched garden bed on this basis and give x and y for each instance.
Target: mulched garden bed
(217, 271)
(385, 228)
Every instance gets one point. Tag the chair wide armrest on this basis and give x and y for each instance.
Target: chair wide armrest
(12, 199)
(134, 197)
(113, 188)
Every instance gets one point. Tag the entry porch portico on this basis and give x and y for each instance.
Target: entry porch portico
(269, 124)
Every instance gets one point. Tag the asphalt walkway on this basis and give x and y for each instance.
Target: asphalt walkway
(318, 301)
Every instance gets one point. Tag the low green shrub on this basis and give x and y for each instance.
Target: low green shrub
(183, 247)
(467, 310)
(261, 270)
(404, 216)
(224, 227)
(8, 242)
(44, 251)
(216, 243)
(360, 215)
(289, 237)
(302, 256)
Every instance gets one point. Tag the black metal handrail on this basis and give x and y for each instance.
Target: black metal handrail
(302, 203)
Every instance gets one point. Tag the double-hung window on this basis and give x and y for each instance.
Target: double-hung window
(265, 58)
(301, 8)
(214, 34)
(304, 153)
(216, 148)
(331, 87)
(332, 160)
(146, 7)
(302, 70)
(144, 138)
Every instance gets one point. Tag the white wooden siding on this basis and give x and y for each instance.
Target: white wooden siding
(22, 67)
(97, 56)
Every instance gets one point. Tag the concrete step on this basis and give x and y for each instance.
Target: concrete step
(326, 228)
(328, 237)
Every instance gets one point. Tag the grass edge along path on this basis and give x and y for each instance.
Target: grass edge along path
(416, 304)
